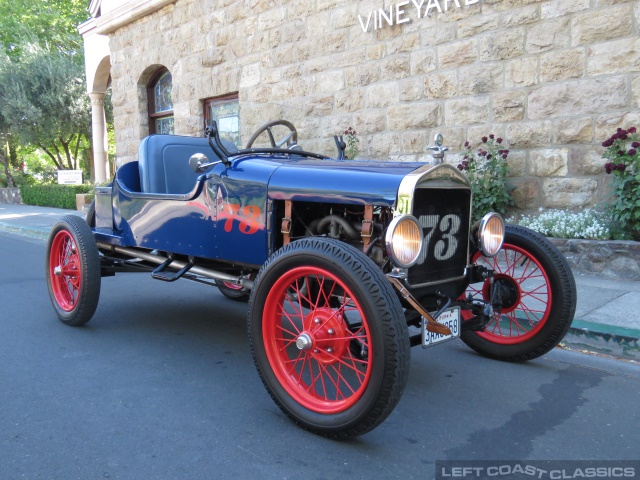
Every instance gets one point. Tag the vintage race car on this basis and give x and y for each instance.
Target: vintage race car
(345, 264)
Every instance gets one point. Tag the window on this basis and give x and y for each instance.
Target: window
(160, 103)
(226, 112)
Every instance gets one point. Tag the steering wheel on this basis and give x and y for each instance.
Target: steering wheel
(291, 140)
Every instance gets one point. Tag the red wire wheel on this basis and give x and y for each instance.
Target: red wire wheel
(528, 298)
(538, 298)
(65, 271)
(317, 340)
(329, 337)
(73, 270)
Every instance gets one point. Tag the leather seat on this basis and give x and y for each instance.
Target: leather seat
(163, 162)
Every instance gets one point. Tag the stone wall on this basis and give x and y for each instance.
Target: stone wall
(10, 195)
(618, 260)
(553, 78)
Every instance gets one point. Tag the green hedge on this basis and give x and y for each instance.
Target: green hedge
(58, 196)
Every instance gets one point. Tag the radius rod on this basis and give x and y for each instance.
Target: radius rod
(177, 264)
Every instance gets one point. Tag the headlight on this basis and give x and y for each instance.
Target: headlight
(404, 241)
(490, 234)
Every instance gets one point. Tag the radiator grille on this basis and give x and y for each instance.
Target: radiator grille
(444, 217)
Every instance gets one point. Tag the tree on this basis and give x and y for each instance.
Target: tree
(51, 22)
(43, 102)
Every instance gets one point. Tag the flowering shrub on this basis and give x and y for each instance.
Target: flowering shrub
(352, 144)
(622, 151)
(487, 169)
(587, 224)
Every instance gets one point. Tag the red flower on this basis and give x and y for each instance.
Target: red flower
(632, 152)
(607, 143)
(632, 130)
(499, 140)
(635, 144)
(621, 167)
(492, 136)
(484, 139)
(609, 167)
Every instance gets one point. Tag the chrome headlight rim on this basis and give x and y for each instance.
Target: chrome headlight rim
(389, 243)
(482, 231)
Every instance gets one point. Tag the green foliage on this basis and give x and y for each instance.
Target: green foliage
(587, 224)
(352, 144)
(623, 153)
(43, 102)
(53, 22)
(58, 196)
(487, 170)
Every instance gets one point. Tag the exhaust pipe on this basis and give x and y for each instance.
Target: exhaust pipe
(177, 264)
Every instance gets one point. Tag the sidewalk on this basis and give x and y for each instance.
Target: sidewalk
(607, 319)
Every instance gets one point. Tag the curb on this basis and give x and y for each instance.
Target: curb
(611, 340)
(31, 232)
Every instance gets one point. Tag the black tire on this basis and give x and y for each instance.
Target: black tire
(91, 214)
(235, 294)
(355, 311)
(73, 271)
(539, 298)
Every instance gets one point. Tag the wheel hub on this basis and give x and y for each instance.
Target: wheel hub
(57, 270)
(325, 335)
(507, 291)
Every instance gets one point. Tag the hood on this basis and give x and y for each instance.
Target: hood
(340, 181)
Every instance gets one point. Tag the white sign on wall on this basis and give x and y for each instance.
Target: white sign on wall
(69, 177)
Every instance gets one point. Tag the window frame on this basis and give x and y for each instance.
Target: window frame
(151, 100)
(207, 102)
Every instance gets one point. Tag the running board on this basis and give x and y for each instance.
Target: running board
(160, 273)
(177, 264)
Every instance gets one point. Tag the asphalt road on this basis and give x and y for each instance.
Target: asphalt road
(161, 384)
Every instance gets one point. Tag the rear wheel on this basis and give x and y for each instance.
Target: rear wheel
(73, 270)
(538, 298)
(328, 337)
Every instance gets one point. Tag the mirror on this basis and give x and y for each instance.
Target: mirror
(196, 162)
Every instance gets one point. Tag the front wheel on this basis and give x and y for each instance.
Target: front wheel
(73, 270)
(328, 337)
(537, 298)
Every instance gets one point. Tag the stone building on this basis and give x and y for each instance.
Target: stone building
(553, 78)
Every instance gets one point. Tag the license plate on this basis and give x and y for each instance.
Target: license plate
(450, 318)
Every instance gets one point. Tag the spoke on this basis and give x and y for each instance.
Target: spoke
(341, 378)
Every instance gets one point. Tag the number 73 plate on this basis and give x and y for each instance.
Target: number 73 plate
(450, 318)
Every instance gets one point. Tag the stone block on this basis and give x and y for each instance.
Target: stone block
(517, 163)
(423, 61)
(635, 91)
(441, 85)
(319, 105)
(475, 79)
(521, 72)
(562, 65)
(573, 130)
(381, 145)
(607, 124)
(457, 53)
(549, 35)
(554, 8)
(529, 134)
(466, 111)
(599, 25)
(548, 162)
(526, 193)
(349, 100)
(508, 106)
(411, 89)
(520, 16)
(382, 94)
(619, 56)
(478, 24)
(578, 97)
(502, 45)
(585, 160)
(370, 121)
(437, 35)
(413, 116)
(567, 193)
(395, 67)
